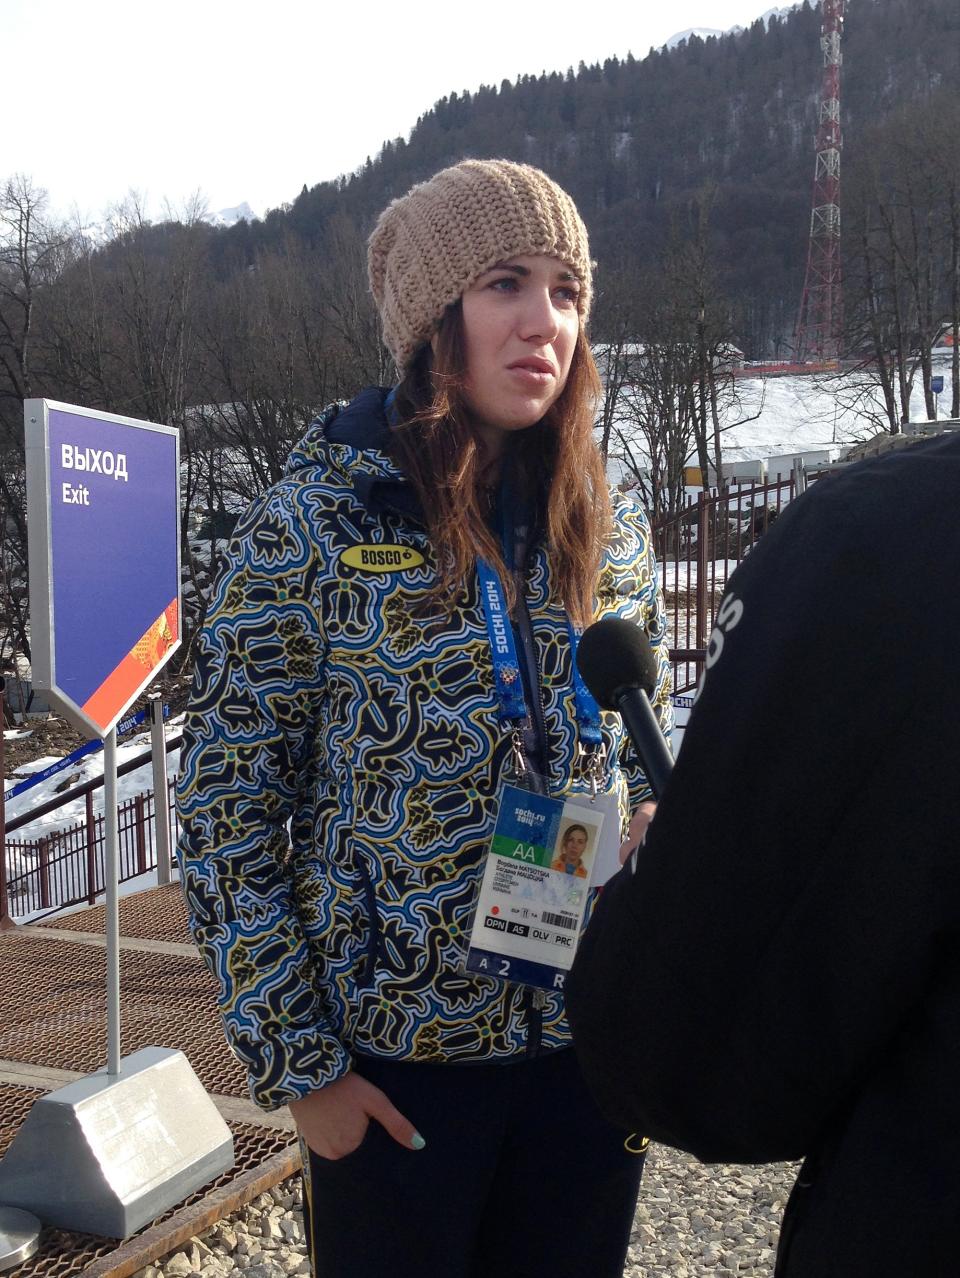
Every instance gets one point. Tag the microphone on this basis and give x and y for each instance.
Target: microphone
(620, 669)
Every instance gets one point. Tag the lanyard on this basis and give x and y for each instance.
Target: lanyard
(509, 685)
(588, 712)
(506, 667)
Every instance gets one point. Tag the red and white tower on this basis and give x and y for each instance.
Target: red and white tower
(820, 318)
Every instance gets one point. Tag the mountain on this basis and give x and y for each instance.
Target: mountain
(637, 141)
(702, 33)
(229, 217)
(776, 13)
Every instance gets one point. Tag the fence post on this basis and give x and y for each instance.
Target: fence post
(161, 806)
(91, 850)
(140, 835)
(702, 549)
(798, 477)
(6, 921)
(43, 849)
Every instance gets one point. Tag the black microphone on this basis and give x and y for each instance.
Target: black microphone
(620, 669)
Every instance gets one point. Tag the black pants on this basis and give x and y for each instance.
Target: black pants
(521, 1178)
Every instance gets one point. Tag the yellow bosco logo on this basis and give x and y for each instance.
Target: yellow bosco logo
(383, 558)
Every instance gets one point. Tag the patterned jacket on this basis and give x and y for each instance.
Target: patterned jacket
(342, 753)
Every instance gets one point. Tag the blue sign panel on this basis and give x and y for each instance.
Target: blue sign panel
(103, 524)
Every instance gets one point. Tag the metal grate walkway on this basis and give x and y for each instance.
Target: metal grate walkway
(53, 1029)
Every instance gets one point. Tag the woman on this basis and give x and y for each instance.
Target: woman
(350, 732)
(572, 849)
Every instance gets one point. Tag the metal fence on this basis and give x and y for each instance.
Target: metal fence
(65, 867)
(697, 549)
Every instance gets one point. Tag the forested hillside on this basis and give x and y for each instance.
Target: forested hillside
(635, 140)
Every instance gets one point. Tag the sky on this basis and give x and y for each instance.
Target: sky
(246, 101)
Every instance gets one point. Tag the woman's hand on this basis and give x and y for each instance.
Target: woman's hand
(638, 828)
(334, 1120)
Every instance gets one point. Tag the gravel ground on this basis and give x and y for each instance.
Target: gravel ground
(692, 1222)
(695, 1221)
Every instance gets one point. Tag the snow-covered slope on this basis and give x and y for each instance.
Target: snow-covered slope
(702, 32)
(776, 13)
(705, 32)
(764, 418)
(808, 413)
(228, 217)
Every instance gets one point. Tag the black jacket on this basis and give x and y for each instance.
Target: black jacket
(780, 978)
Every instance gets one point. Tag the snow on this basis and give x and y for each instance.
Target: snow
(779, 417)
(35, 765)
(86, 769)
(70, 814)
(229, 217)
(777, 13)
(129, 786)
(682, 576)
(814, 412)
(704, 33)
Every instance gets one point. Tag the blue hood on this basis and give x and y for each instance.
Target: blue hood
(352, 440)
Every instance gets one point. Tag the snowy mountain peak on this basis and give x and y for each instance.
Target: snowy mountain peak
(228, 217)
(704, 33)
(777, 13)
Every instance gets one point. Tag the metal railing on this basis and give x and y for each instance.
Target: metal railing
(65, 867)
(697, 549)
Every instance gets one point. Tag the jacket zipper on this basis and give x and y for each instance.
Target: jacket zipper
(369, 965)
(534, 1000)
(524, 632)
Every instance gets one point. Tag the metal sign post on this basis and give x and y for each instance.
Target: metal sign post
(103, 518)
(104, 560)
(936, 385)
(161, 812)
(111, 882)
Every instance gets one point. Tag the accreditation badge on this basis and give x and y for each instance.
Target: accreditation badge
(536, 884)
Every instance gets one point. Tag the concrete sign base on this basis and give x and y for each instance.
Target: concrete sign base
(107, 1155)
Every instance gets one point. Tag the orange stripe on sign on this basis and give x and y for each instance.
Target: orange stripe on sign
(145, 656)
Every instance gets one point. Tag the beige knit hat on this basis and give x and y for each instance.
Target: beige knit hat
(439, 238)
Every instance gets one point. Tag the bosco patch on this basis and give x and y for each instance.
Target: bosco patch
(382, 558)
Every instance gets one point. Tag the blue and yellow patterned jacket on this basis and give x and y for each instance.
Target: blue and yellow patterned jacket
(341, 755)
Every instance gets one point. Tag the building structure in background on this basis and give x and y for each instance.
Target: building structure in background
(821, 311)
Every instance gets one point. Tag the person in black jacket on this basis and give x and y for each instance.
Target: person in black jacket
(779, 976)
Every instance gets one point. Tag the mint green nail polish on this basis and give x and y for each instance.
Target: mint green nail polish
(417, 1141)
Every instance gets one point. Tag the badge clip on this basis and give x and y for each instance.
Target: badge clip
(595, 767)
(518, 760)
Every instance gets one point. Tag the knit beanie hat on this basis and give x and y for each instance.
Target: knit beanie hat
(439, 238)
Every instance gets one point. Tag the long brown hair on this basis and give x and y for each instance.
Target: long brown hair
(435, 444)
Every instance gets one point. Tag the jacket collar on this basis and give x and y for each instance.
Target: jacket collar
(359, 434)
